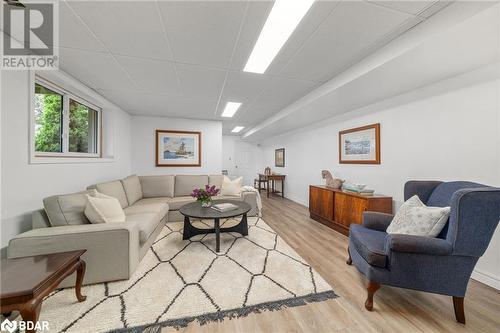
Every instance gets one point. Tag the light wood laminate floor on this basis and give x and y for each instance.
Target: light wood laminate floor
(395, 310)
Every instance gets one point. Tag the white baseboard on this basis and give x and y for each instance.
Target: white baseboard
(488, 279)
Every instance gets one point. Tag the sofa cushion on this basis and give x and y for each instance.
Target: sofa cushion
(102, 208)
(370, 244)
(228, 197)
(177, 202)
(146, 222)
(67, 209)
(216, 180)
(158, 208)
(113, 189)
(146, 201)
(133, 189)
(185, 184)
(157, 186)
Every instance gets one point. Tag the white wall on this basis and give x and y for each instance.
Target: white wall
(24, 185)
(240, 158)
(437, 136)
(143, 145)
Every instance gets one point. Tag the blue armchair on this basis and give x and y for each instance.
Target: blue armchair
(441, 265)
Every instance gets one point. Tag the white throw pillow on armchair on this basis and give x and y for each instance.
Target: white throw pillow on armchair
(415, 218)
(102, 208)
(231, 187)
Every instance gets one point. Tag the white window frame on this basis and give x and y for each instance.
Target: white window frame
(65, 155)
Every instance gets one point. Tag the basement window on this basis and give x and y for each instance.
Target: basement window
(64, 125)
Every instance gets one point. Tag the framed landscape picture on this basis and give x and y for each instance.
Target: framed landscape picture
(360, 145)
(178, 148)
(279, 157)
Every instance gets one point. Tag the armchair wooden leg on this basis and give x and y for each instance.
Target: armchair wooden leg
(349, 259)
(371, 289)
(458, 305)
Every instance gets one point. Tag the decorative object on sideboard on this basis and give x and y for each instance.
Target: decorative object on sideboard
(267, 171)
(204, 196)
(279, 157)
(357, 189)
(360, 145)
(178, 148)
(330, 181)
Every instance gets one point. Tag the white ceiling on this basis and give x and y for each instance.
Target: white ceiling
(185, 58)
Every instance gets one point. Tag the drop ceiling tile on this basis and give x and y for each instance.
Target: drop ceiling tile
(414, 7)
(340, 41)
(152, 75)
(126, 27)
(145, 103)
(200, 82)
(73, 33)
(97, 70)
(276, 97)
(202, 32)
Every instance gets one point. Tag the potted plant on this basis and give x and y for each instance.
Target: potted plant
(205, 195)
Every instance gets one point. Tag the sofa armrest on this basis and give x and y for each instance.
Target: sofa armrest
(250, 197)
(112, 248)
(417, 244)
(377, 221)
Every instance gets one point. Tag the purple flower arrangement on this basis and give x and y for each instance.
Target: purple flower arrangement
(205, 195)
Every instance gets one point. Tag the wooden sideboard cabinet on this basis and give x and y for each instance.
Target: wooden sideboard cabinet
(338, 209)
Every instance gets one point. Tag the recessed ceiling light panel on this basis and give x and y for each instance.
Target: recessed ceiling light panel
(230, 109)
(285, 16)
(237, 129)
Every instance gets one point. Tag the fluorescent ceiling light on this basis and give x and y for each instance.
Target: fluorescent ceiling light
(237, 129)
(230, 109)
(281, 22)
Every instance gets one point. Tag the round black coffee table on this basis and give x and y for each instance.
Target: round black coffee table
(195, 210)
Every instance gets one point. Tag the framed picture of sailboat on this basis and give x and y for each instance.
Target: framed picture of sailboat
(178, 148)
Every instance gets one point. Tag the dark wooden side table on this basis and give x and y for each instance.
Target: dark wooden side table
(26, 281)
(272, 178)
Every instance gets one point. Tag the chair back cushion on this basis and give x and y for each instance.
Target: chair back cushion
(157, 186)
(441, 196)
(133, 189)
(67, 209)
(185, 184)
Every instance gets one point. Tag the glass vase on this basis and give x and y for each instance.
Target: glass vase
(206, 202)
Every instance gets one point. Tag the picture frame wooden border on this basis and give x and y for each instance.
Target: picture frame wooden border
(157, 133)
(377, 144)
(276, 160)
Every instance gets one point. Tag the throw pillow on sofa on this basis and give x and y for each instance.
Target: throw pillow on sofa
(102, 208)
(231, 187)
(415, 218)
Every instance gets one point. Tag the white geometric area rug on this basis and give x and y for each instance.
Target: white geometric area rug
(180, 281)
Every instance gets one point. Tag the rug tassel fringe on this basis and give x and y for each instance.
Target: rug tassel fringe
(234, 313)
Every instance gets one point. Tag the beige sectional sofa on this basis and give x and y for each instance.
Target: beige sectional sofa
(114, 249)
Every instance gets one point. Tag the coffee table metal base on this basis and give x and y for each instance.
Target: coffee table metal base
(190, 230)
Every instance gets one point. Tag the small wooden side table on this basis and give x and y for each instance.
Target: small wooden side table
(26, 281)
(271, 178)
